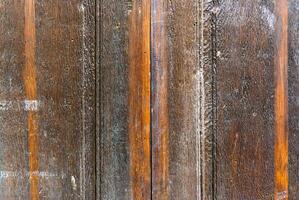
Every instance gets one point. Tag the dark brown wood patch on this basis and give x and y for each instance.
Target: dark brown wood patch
(245, 85)
(47, 99)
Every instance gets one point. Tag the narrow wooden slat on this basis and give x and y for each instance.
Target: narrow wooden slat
(293, 75)
(159, 101)
(281, 100)
(139, 99)
(176, 103)
(113, 145)
(124, 84)
(31, 94)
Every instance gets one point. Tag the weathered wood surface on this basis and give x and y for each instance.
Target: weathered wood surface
(245, 66)
(47, 99)
(293, 99)
(124, 68)
(149, 99)
(251, 82)
(177, 83)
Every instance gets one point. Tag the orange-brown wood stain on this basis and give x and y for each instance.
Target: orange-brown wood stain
(281, 101)
(29, 75)
(139, 99)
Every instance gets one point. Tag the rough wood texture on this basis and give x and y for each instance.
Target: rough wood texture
(293, 99)
(281, 101)
(48, 70)
(159, 101)
(124, 54)
(175, 98)
(13, 117)
(113, 145)
(139, 99)
(246, 39)
(149, 99)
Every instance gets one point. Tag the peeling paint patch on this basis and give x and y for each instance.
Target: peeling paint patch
(5, 105)
(268, 17)
(42, 174)
(26, 105)
(31, 105)
(73, 182)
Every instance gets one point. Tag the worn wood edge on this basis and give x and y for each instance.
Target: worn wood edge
(98, 33)
(207, 88)
(88, 84)
(281, 101)
(159, 101)
(293, 92)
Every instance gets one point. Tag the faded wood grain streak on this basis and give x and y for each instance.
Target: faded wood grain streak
(159, 101)
(206, 87)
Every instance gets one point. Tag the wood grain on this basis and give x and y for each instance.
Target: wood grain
(124, 55)
(293, 91)
(14, 124)
(176, 111)
(148, 99)
(281, 101)
(159, 101)
(48, 94)
(139, 99)
(65, 46)
(31, 94)
(245, 66)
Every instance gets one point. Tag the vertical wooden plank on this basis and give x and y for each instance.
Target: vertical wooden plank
(65, 73)
(281, 100)
(159, 101)
(113, 145)
(124, 146)
(293, 98)
(182, 100)
(29, 74)
(247, 36)
(47, 99)
(13, 117)
(139, 99)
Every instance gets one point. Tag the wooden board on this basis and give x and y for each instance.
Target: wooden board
(245, 100)
(293, 99)
(47, 99)
(251, 100)
(124, 96)
(178, 114)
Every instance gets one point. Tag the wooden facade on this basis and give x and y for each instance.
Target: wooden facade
(149, 99)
